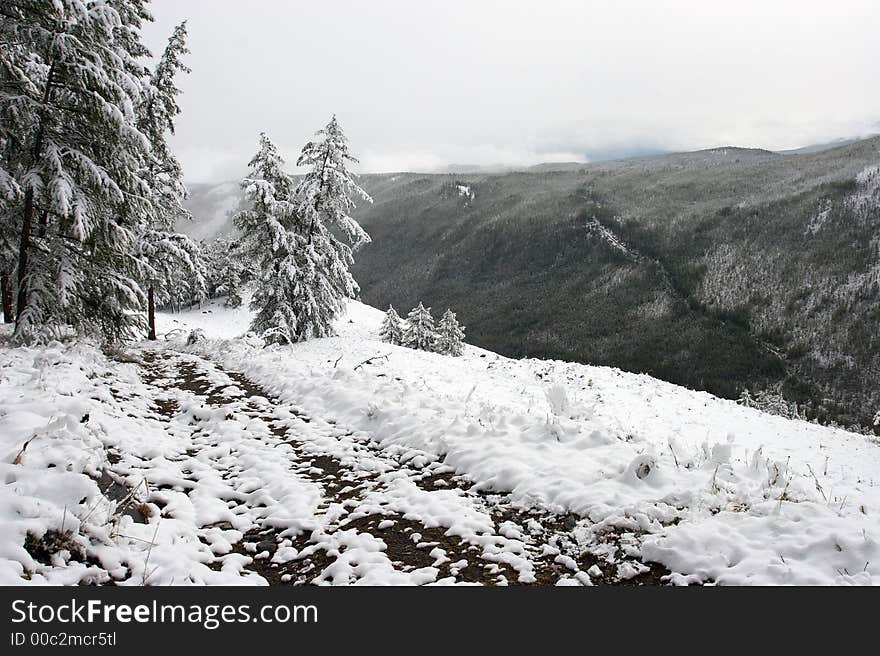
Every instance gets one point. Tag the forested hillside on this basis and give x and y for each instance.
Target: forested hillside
(727, 268)
(721, 270)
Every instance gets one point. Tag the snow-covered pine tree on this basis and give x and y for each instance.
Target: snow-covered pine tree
(419, 332)
(450, 335)
(175, 269)
(391, 330)
(215, 255)
(71, 79)
(322, 202)
(170, 258)
(13, 126)
(15, 122)
(267, 238)
(209, 257)
(11, 76)
(233, 285)
(324, 196)
(226, 270)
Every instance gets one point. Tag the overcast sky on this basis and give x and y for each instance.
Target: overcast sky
(419, 84)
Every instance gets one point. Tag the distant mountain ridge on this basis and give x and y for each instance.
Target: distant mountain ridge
(212, 203)
(818, 148)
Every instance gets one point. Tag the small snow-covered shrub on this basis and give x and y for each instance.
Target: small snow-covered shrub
(195, 336)
(557, 398)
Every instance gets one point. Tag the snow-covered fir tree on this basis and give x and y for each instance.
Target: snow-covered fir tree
(12, 75)
(72, 187)
(324, 196)
(232, 277)
(227, 270)
(171, 259)
(419, 332)
(450, 335)
(215, 254)
(268, 239)
(322, 202)
(233, 286)
(304, 274)
(391, 330)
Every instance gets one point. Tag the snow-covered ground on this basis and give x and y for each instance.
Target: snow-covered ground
(710, 489)
(312, 461)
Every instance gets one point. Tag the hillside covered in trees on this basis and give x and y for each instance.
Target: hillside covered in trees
(722, 270)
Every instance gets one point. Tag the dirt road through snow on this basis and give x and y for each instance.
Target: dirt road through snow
(293, 499)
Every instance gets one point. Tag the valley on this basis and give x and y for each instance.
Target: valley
(721, 270)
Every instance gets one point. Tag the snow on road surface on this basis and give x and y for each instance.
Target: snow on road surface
(346, 460)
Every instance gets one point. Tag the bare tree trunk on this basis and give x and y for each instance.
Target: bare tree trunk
(6, 297)
(151, 312)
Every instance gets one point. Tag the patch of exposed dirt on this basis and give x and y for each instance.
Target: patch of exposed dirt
(52, 542)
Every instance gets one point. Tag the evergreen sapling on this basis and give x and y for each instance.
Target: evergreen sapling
(419, 332)
(391, 331)
(450, 335)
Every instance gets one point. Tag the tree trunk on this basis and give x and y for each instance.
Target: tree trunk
(28, 215)
(317, 202)
(23, 247)
(151, 313)
(6, 298)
